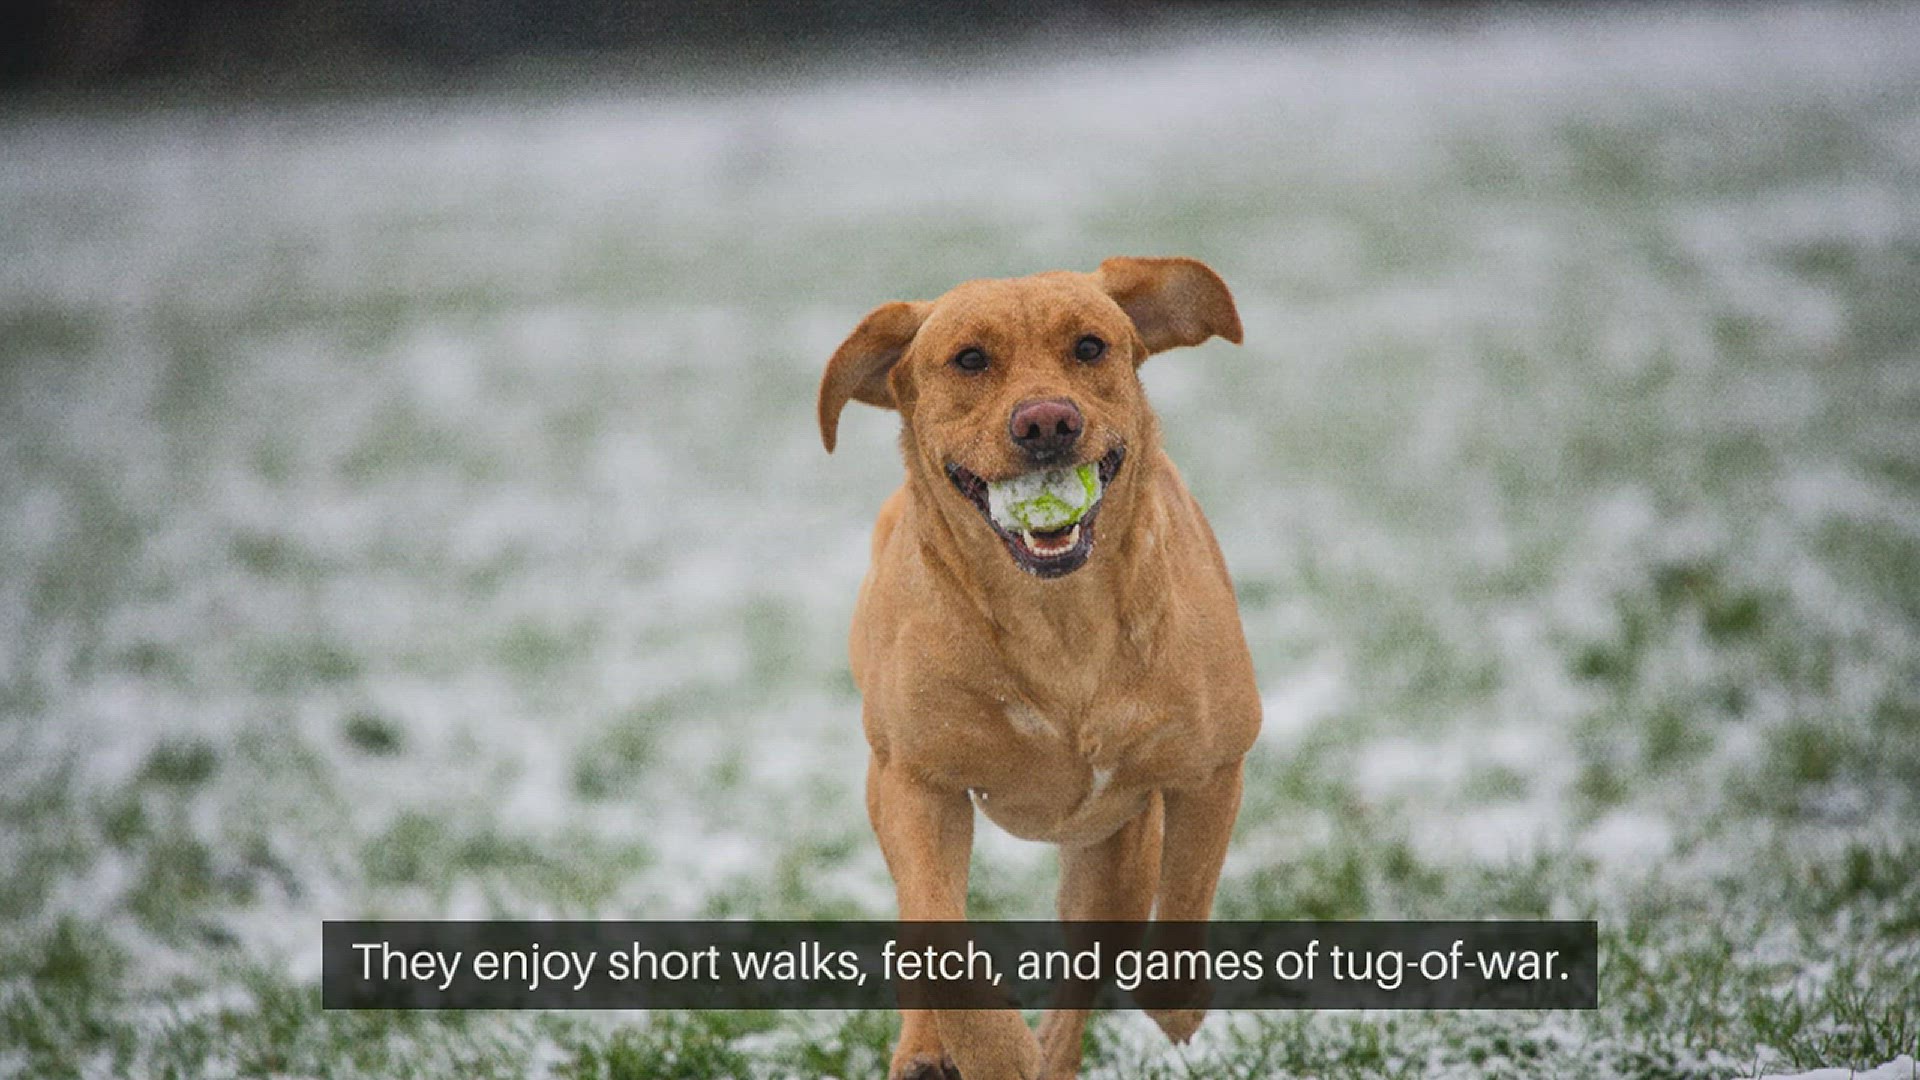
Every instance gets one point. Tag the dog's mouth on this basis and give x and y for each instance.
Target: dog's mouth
(1044, 552)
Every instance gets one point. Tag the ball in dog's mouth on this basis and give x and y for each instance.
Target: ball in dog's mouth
(1045, 517)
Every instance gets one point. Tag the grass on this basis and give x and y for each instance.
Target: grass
(417, 512)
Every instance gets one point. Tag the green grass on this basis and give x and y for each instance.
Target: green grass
(418, 512)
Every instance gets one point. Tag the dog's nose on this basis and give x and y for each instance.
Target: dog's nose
(1047, 428)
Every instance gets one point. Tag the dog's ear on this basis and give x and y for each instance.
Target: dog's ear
(858, 370)
(1172, 302)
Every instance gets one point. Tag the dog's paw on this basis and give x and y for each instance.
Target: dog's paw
(1177, 1005)
(991, 1044)
(1179, 1024)
(925, 1067)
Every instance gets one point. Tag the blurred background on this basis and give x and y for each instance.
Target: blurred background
(411, 504)
(358, 42)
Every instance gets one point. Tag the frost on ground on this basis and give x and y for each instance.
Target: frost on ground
(1900, 1068)
(414, 509)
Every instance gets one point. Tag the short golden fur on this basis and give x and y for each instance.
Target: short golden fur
(1107, 709)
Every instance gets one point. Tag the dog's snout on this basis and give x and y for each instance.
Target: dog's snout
(1047, 428)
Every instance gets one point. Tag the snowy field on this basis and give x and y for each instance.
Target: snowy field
(414, 508)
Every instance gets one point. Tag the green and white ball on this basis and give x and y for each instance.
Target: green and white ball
(1044, 501)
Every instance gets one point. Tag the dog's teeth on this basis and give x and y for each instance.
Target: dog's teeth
(1066, 542)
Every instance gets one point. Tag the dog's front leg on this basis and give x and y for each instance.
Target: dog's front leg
(927, 838)
(1199, 823)
(1109, 881)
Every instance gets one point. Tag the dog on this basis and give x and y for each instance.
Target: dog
(1088, 685)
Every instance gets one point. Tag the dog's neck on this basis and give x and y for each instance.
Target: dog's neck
(1081, 612)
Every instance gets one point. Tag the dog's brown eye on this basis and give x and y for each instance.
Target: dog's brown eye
(970, 360)
(1089, 348)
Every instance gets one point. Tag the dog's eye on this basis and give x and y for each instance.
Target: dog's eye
(1089, 348)
(970, 360)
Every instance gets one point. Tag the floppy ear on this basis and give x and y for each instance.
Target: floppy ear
(858, 370)
(1172, 302)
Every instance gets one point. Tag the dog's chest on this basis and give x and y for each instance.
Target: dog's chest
(1066, 775)
(1103, 734)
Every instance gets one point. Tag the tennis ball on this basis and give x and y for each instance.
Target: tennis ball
(1044, 501)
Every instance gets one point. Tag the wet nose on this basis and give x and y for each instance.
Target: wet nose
(1045, 429)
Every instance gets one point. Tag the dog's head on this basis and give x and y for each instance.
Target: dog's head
(1028, 378)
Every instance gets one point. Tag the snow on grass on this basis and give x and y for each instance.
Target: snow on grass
(415, 508)
(1901, 1068)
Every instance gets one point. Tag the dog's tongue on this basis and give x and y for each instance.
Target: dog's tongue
(1048, 501)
